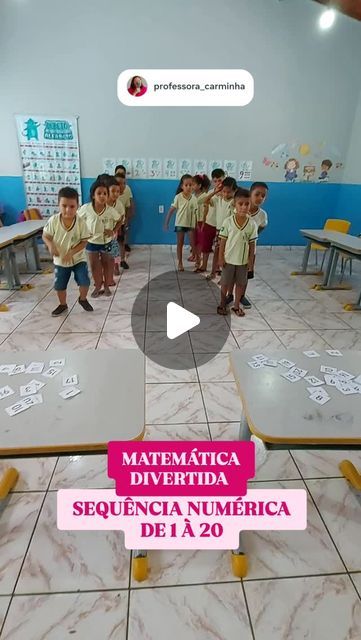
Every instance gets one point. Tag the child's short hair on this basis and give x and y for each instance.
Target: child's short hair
(68, 192)
(242, 193)
(230, 182)
(111, 181)
(94, 187)
(120, 167)
(202, 180)
(257, 185)
(107, 180)
(217, 173)
(327, 163)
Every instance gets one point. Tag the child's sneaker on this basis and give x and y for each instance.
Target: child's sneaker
(245, 303)
(124, 264)
(59, 310)
(229, 298)
(85, 304)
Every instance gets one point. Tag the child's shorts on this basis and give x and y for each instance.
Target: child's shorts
(97, 248)
(121, 233)
(199, 234)
(234, 274)
(62, 276)
(183, 229)
(208, 236)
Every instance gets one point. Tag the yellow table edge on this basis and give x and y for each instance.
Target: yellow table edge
(64, 448)
(256, 432)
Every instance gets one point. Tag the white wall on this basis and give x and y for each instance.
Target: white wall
(352, 172)
(63, 58)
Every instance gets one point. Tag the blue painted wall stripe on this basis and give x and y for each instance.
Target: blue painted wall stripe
(289, 207)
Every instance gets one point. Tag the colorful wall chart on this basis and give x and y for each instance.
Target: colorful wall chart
(49, 152)
(173, 168)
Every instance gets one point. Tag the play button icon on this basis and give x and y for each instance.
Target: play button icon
(179, 320)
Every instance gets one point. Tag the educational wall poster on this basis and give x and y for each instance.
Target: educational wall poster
(170, 168)
(109, 165)
(184, 166)
(214, 164)
(155, 168)
(301, 161)
(199, 167)
(230, 168)
(140, 168)
(49, 151)
(127, 163)
(245, 170)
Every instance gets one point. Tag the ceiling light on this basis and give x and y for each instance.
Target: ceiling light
(327, 19)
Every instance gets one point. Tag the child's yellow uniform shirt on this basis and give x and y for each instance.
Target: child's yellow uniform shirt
(97, 224)
(224, 209)
(212, 211)
(124, 199)
(66, 239)
(200, 202)
(187, 211)
(119, 206)
(238, 239)
(128, 191)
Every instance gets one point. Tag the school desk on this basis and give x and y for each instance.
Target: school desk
(321, 236)
(282, 416)
(13, 235)
(109, 407)
(349, 246)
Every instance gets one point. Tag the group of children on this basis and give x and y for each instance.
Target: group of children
(227, 221)
(99, 229)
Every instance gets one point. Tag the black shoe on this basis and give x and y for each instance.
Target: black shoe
(124, 264)
(245, 302)
(59, 310)
(127, 248)
(229, 298)
(85, 304)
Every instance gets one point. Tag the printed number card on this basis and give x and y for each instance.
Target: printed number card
(109, 166)
(245, 170)
(127, 163)
(230, 168)
(184, 166)
(154, 168)
(199, 167)
(170, 168)
(214, 164)
(140, 168)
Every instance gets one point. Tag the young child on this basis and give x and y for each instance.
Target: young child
(66, 235)
(224, 207)
(209, 221)
(259, 191)
(201, 184)
(238, 237)
(120, 171)
(185, 204)
(103, 222)
(115, 201)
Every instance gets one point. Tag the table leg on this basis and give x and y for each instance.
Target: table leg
(244, 432)
(306, 256)
(329, 277)
(239, 560)
(353, 307)
(14, 268)
(8, 269)
(36, 253)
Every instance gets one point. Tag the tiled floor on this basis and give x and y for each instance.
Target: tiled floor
(304, 584)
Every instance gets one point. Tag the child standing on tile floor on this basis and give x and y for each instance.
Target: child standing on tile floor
(259, 192)
(209, 229)
(238, 237)
(66, 235)
(201, 184)
(186, 208)
(126, 197)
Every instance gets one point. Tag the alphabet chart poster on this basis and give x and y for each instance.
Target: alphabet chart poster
(49, 152)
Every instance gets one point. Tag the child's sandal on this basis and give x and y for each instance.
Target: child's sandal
(180, 267)
(211, 276)
(238, 312)
(222, 311)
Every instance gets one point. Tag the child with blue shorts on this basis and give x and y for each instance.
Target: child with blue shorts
(66, 235)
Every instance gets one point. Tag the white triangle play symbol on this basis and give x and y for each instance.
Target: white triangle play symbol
(179, 320)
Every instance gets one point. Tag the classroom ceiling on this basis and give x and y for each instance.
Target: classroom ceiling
(350, 8)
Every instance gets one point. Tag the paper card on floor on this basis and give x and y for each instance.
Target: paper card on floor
(331, 380)
(70, 381)
(38, 385)
(344, 375)
(357, 387)
(311, 354)
(333, 352)
(28, 390)
(291, 377)
(286, 363)
(298, 372)
(35, 367)
(51, 373)
(20, 368)
(37, 399)
(6, 391)
(69, 393)
(260, 357)
(314, 391)
(7, 368)
(320, 398)
(16, 408)
(57, 363)
(346, 388)
(329, 370)
(270, 363)
(255, 365)
(313, 380)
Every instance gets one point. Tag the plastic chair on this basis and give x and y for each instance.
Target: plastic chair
(332, 224)
(32, 214)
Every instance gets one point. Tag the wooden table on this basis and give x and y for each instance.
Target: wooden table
(110, 406)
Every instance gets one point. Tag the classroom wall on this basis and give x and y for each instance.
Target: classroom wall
(306, 92)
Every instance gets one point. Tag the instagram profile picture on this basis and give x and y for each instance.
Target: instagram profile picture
(137, 86)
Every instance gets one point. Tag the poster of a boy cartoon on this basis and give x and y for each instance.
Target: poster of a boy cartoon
(291, 167)
(325, 168)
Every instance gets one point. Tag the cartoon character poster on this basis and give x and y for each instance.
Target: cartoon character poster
(309, 172)
(325, 168)
(291, 167)
(49, 153)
